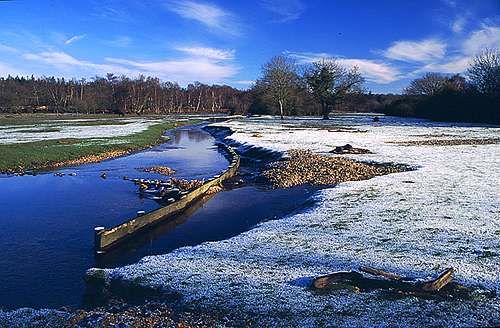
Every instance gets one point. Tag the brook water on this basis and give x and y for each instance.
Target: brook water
(46, 235)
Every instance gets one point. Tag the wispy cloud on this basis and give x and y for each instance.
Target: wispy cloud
(109, 13)
(416, 51)
(457, 64)
(486, 37)
(286, 10)
(6, 70)
(211, 53)
(245, 82)
(458, 24)
(210, 15)
(65, 61)
(74, 39)
(6, 48)
(182, 70)
(372, 70)
(120, 42)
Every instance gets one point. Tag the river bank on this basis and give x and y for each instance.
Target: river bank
(413, 223)
(55, 148)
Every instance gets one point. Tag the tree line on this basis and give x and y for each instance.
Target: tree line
(474, 97)
(115, 94)
(284, 88)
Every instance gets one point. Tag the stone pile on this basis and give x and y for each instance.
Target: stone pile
(306, 167)
(163, 170)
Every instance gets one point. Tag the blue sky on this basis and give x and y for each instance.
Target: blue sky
(227, 42)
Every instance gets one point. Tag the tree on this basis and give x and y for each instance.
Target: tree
(279, 81)
(329, 82)
(428, 85)
(484, 72)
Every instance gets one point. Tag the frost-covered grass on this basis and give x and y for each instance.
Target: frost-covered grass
(44, 129)
(445, 214)
(73, 142)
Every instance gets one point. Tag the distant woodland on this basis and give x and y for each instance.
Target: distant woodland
(319, 89)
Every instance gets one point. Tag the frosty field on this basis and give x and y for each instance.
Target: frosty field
(445, 214)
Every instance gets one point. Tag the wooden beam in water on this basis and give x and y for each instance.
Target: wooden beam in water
(107, 238)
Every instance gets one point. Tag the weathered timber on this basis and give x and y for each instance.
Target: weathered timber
(438, 283)
(378, 272)
(389, 281)
(108, 238)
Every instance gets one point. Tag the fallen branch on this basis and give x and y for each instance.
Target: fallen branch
(388, 281)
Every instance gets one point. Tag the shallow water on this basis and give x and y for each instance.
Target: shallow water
(47, 222)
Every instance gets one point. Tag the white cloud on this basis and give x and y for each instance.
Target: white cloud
(416, 51)
(286, 10)
(6, 48)
(487, 37)
(210, 15)
(67, 62)
(212, 53)
(458, 24)
(452, 66)
(120, 42)
(245, 82)
(307, 57)
(182, 70)
(6, 70)
(374, 71)
(74, 39)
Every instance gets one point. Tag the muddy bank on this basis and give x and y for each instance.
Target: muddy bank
(117, 314)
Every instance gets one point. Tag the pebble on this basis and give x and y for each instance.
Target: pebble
(304, 167)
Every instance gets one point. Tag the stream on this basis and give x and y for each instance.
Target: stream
(47, 221)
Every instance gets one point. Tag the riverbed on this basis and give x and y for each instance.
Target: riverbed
(47, 221)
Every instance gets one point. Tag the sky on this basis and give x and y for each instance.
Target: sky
(227, 42)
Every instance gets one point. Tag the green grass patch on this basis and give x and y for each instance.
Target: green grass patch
(48, 129)
(42, 154)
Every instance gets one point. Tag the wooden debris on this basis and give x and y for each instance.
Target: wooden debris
(391, 282)
(438, 283)
(378, 272)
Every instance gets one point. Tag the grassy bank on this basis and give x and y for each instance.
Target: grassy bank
(20, 157)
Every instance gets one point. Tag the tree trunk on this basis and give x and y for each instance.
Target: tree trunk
(281, 108)
(324, 109)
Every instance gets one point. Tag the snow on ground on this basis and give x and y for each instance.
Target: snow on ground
(445, 214)
(70, 129)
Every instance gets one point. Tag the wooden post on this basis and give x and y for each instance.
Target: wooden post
(97, 239)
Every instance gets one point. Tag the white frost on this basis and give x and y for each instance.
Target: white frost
(445, 214)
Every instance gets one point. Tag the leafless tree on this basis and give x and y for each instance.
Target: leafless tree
(428, 85)
(329, 82)
(484, 72)
(279, 81)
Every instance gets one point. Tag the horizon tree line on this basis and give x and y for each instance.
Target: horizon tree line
(284, 88)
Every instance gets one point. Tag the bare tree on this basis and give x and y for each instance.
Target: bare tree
(279, 81)
(428, 85)
(484, 72)
(329, 82)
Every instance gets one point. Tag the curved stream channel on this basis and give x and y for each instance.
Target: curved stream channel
(46, 238)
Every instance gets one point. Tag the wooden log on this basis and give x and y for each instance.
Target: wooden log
(438, 283)
(336, 277)
(391, 282)
(378, 272)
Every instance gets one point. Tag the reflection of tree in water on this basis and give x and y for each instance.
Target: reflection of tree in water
(192, 135)
(196, 136)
